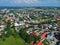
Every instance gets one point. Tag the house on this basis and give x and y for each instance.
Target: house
(34, 33)
(55, 28)
(58, 27)
(49, 36)
(2, 22)
(19, 25)
(28, 32)
(6, 16)
(16, 24)
(43, 35)
(50, 26)
(30, 29)
(11, 15)
(35, 27)
(45, 26)
(10, 19)
(2, 27)
(26, 24)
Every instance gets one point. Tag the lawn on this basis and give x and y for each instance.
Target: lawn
(12, 41)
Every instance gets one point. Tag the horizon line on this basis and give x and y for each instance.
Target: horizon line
(30, 7)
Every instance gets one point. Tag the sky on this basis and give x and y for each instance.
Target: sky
(22, 3)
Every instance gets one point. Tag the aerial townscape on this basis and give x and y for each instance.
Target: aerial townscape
(30, 26)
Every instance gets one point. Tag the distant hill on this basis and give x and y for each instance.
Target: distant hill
(29, 7)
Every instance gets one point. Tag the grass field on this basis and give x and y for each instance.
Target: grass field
(12, 41)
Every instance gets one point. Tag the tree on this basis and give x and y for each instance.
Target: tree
(8, 28)
(52, 29)
(58, 23)
(21, 19)
(45, 42)
(36, 38)
(33, 17)
(28, 38)
(23, 33)
(31, 38)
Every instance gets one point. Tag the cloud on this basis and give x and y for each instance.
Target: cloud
(31, 1)
(16, 1)
(24, 1)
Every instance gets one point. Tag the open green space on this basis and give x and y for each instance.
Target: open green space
(12, 41)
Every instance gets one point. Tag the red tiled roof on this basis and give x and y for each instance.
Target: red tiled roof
(43, 35)
(33, 33)
(38, 43)
(35, 44)
(2, 22)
